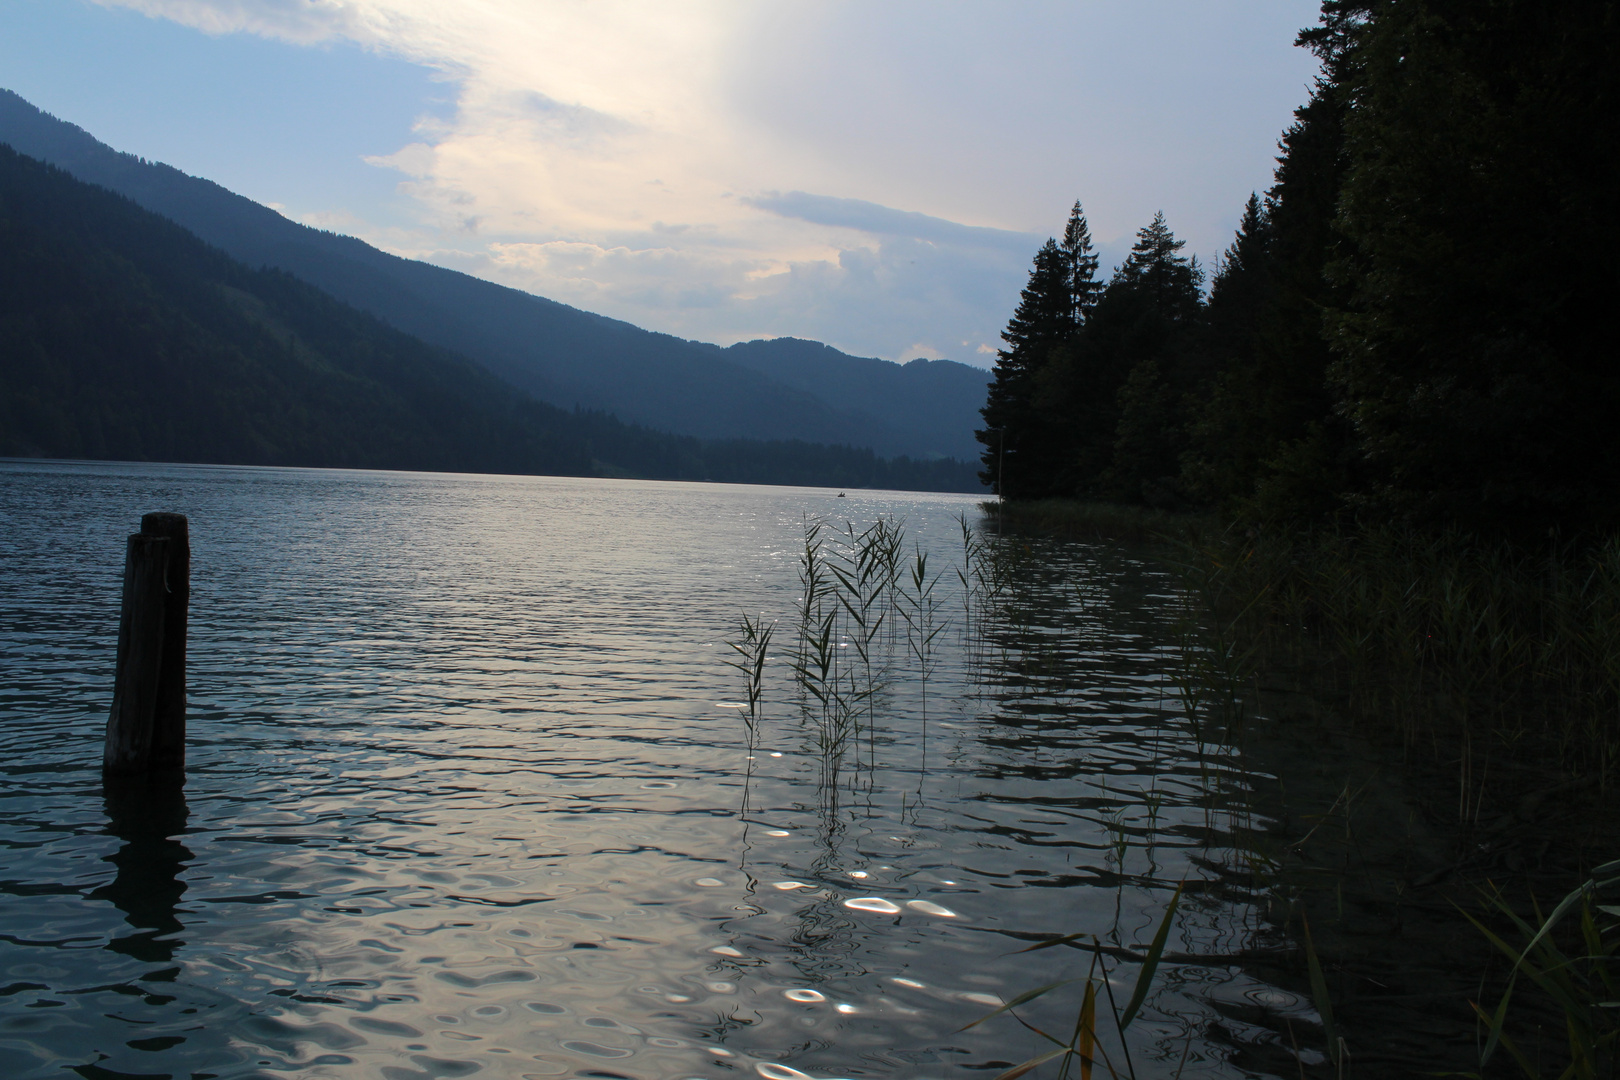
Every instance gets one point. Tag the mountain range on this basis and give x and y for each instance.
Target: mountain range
(776, 389)
(124, 336)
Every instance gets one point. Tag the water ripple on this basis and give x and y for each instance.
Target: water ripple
(467, 793)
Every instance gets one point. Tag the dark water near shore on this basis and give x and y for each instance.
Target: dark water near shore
(466, 797)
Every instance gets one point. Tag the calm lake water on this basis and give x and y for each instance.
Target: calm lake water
(469, 794)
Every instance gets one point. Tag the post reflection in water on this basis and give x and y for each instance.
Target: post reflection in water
(148, 813)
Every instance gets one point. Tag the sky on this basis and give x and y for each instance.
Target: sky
(877, 176)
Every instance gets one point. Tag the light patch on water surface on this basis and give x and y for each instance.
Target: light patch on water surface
(872, 903)
(913, 983)
(859, 874)
(585, 1046)
(846, 1008)
(980, 999)
(726, 950)
(772, 1071)
(777, 832)
(789, 885)
(804, 995)
(928, 908)
(709, 882)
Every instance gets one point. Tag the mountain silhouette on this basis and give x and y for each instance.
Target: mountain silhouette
(124, 336)
(559, 354)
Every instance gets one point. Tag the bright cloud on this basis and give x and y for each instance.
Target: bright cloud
(873, 176)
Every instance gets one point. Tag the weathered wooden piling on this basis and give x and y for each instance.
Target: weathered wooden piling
(169, 712)
(146, 729)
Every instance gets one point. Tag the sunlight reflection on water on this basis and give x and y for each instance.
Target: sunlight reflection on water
(465, 790)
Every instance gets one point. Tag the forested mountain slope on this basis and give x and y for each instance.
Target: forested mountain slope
(124, 336)
(930, 404)
(557, 353)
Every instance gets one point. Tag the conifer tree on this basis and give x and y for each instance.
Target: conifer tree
(1129, 367)
(1238, 284)
(1083, 260)
(1018, 457)
(1158, 274)
(1267, 438)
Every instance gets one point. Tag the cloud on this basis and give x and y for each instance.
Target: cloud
(885, 221)
(877, 177)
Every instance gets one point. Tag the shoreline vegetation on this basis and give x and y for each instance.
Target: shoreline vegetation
(1458, 694)
(1405, 828)
(1377, 440)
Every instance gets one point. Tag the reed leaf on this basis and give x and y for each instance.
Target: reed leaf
(1319, 993)
(1150, 964)
(1022, 999)
(1033, 1063)
(1086, 1038)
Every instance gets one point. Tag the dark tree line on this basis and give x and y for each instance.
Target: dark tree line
(1412, 323)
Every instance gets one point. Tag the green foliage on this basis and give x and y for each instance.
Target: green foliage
(1475, 350)
(1582, 986)
(1084, 1046)
(1090, 395)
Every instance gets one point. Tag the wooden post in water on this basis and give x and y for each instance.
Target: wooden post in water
(169, 711)
(146, 729)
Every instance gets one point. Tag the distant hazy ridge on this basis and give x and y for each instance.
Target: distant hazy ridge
(783, 389)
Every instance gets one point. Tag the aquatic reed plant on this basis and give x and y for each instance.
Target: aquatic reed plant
(816, 667)
(1581, 977)
(1084, 1049)
(1216, 660)
(752, 648)
(920, 609)
(864, 586)
(849, 584)
(970, 548)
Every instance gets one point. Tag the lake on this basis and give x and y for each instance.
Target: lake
(470, 792)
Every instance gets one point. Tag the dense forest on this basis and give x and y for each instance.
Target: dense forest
(123, 336)
(1411, 325)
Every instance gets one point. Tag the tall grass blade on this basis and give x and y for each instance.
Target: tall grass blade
(1518, 1056)
(1022, 999)
(1144, 978)
(1033, 1063)
(1049, 943)
(1087, 1043)
(1319, 992)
